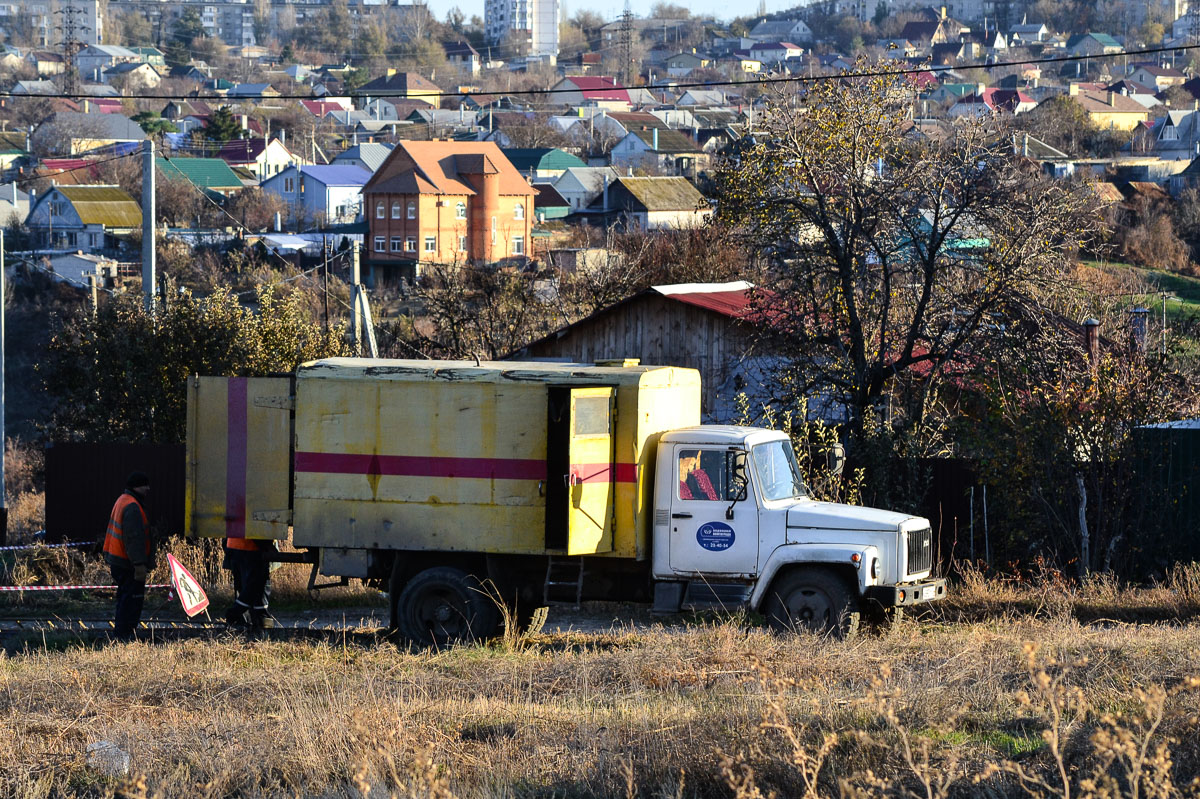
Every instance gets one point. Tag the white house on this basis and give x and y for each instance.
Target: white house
(580, 185)
(332, 193)
(782, 30)
(666, 203)
(668, 152)
(83, 217)
(774, 52)
(92, 60)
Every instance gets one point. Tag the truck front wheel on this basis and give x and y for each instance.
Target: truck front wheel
(443, 605)
(812, 600)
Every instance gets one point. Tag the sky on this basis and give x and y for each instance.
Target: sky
(611, 9)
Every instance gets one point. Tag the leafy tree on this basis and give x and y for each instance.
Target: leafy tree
(1054, 435)
(222, 126)
(892, 258)
(187, 29)
(122, 376)
(153, 123)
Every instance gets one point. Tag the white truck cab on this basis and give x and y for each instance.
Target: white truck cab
(734, 526)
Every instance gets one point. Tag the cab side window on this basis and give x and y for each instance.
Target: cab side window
(702, 474)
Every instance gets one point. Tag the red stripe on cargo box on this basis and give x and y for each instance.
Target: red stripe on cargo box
(419, 466)
(604, 472)
(235, 459)
(485, 468)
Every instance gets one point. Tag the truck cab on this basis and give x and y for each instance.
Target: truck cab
(734, 526)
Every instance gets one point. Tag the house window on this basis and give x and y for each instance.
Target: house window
(289, 185)
(380, 211)
(381, 242)
(430, 243)
(412, 210)
(396, 210)
(518, 245)
(1170, 133)
(397, 243)
(518, 211)
(410, 244)
(462, 243)
(460, 211)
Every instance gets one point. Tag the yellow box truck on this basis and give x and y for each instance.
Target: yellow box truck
(453, 484)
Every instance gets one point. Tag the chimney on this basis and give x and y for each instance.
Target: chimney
(656, 140)
(278, 222)
(1073, 89)
(943, 12)
(244, 127)
(1112, 98)
(1091, 337)
(605, 206)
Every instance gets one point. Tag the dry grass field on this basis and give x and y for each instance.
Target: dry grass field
(1030, 688)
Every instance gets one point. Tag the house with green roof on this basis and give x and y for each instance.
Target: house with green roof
(88, 218)
(541, 162)
(150, 55)
(209, 174)
(1093, 44)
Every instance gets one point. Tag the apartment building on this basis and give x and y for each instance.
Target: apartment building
(446, 202)
(523, 22)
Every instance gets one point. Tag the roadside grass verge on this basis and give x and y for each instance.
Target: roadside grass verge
(714, 709)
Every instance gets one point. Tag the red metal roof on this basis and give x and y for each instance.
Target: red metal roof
(731, 302)
(599, 87)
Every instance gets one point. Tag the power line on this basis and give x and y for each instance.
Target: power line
(785, 79)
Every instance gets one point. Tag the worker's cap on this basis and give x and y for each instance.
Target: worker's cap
(137, 480)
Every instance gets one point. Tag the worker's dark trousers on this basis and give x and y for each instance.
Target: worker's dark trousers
(251, 579)
(131, 595)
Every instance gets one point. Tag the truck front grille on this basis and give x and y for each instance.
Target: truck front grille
(920, 551)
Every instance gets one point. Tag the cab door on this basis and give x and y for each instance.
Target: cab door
(590, 474)
(704, 538)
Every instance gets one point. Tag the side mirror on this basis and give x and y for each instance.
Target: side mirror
(738, 483)
(836, 458)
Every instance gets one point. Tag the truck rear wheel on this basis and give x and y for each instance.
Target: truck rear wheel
(444, 605)
(812, 600)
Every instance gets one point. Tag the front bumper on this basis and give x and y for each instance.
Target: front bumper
(908, 593)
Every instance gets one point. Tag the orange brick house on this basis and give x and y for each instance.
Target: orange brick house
(446, 202)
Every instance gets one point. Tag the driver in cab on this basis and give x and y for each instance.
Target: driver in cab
(694, 483)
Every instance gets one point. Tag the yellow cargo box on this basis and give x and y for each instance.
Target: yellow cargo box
(496, 457)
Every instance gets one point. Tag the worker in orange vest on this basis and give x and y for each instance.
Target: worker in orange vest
(129, 551)
(249, 560)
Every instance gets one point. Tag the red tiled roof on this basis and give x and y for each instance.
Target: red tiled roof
(599, 87)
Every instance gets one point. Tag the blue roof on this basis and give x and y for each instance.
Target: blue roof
(337, 174)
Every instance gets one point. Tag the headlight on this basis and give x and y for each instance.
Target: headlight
(874, 568)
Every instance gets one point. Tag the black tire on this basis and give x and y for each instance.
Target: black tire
(444, 605)
(812, 600)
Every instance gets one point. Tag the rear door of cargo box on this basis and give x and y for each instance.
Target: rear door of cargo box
(239, 457)
(590, 477)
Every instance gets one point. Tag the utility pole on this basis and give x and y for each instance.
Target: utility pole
(148, 252)
(356, 299)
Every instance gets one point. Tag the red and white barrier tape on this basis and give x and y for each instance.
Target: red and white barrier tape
(48, 546)
(69, 587)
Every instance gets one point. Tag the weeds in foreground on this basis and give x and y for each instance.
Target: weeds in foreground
(1129, 756)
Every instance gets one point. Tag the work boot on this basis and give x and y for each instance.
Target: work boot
(261, 619)
(236, 617)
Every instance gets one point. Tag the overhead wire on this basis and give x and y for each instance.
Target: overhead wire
(758, 81)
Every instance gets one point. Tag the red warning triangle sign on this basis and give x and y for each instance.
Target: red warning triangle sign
(190, 594)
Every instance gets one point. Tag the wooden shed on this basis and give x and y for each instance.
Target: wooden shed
(693, 325)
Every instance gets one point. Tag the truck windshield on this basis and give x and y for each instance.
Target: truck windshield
(775, 466)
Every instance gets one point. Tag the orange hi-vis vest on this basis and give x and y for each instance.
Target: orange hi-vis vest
(244, 544)
(114, 543)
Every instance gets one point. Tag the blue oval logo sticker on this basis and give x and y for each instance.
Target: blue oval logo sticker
(715, 536)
